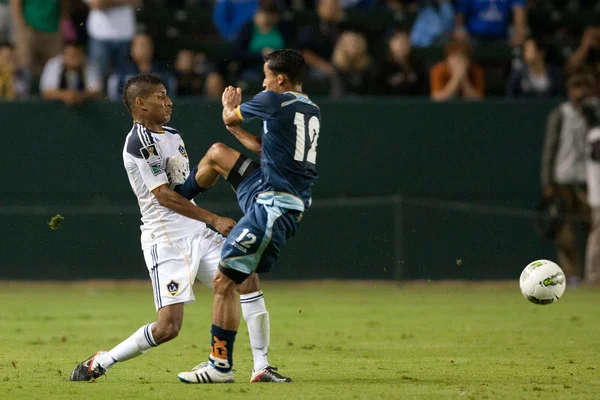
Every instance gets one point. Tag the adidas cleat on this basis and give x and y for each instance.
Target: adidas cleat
(89, 369)
(269, 374)
(206, 373)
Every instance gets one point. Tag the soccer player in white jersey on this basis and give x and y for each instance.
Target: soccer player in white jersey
(177, 245)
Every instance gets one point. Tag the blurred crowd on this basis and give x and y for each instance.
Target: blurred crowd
(74, 50)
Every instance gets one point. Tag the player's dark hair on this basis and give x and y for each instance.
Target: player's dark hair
(141, 85)
(289, 63)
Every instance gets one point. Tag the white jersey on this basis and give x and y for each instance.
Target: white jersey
(145, 156)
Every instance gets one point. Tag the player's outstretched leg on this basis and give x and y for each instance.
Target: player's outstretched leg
(257, 319)
(218, 161)
(165, 328)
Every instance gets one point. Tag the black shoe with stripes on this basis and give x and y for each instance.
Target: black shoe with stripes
(269, 374)
(206, 373)
(88, 370)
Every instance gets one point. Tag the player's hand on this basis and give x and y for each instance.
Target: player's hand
(232, 97)
(224, 225)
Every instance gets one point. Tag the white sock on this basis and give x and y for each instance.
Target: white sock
(259, 328)
(133, 346)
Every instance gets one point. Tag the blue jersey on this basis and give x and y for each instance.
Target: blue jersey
(291, 125)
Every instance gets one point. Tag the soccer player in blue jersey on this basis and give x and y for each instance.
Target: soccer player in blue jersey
(273, 195)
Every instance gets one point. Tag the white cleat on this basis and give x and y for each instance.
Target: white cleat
(176, 172)
(205, 373)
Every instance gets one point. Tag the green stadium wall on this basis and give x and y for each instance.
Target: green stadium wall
(408, 189)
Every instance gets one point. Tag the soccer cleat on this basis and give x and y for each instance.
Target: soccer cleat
(269, 374)
(89, 369)
(205, 373)
(176, 172)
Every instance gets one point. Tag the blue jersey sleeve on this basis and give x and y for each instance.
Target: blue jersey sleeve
(518, 3)
(262, 106)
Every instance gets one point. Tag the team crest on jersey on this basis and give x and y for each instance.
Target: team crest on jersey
(173, 288)
(182, 151)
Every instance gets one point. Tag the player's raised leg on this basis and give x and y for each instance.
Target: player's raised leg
(165, 328)
(218, 161)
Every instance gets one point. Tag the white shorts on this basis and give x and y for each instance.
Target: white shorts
(175, 266)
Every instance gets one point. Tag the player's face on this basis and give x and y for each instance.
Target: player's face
(272, 82)
(158, 105)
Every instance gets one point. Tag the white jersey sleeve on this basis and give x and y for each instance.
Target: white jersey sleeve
(148, 158)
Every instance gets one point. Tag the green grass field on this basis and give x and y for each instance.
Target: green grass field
(368, 340)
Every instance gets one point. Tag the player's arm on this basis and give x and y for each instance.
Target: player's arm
(249, 141)
(176, 202)
(146, 158)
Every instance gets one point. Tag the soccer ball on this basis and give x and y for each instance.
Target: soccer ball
(542, 282)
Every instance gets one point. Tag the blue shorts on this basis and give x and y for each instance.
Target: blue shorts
(255, 242)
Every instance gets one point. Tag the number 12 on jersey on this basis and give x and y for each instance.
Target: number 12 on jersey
(306, 132)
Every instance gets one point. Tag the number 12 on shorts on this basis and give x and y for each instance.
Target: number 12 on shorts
(306, 133)
(246, 243)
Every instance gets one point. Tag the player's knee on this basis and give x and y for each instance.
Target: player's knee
(167, 330)
(216, 152)
(250, 285)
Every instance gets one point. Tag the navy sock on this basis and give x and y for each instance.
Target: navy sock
(190, 189)
(221, 348)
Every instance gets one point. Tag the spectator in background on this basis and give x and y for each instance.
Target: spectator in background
(110, 26)
(434, 23)
(402, 5)
(534, 77)
(194, 78)
(364, 4)
(69, 78)
(354, 74)
(563, 171)
(401, 73)
(489, 20)
(317, 42)
(14, 82)
(142, 61)
(457, 77)
(258, 38)
(6, 28)
(37, 30)
(587, 54)
(229, 16)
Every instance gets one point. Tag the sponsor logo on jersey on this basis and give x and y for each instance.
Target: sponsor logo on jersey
(154, 159)
(150, 153)
(173, 288)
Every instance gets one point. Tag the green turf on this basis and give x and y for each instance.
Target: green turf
(338, 341)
